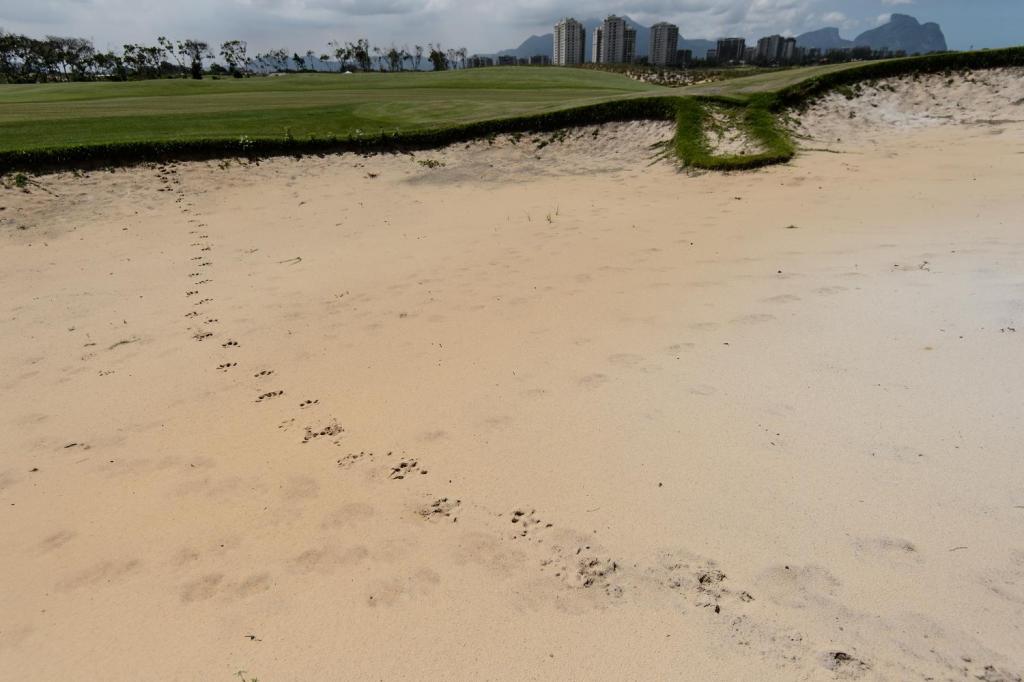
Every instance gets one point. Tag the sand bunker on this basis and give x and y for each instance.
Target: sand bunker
(869, 111)
(545, 408)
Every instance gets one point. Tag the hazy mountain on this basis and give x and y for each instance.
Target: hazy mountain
(904, 32)
(823, 39)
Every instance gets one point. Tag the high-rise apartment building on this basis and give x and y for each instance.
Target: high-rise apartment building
(570, 42)
(731, 50)
(664, 41)
(614, 42)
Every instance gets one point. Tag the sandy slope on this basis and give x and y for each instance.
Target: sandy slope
(978, 98)
(518, 418)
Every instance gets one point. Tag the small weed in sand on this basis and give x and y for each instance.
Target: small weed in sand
(431, 163)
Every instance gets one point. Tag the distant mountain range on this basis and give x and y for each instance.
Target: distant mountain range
(903, 32)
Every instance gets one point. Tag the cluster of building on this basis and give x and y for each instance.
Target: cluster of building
(614, 42)
(476, 61)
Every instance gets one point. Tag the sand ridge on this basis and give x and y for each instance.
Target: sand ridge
(575, 416)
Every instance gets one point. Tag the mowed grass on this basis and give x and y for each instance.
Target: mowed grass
(766, 82)
(322, 104)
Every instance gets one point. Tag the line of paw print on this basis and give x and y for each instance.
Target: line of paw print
(230, 343)
(526, 522)
(269, 396)
(441, 508)
(204, 301)
(333, 428)
(191, 293)
(263, 373)
(202, 336)
(226, 366)
(350, 460)
(305, 404)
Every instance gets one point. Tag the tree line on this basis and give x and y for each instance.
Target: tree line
(24, 59)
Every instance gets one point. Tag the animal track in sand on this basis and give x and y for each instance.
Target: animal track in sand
(191, 293)
(229, 344)
(200, 336)
(525, 522)
(226, 366)
(406, 467)
(204, 301)
(332, 428)
(263, 373)
(441, 508)
(212, 320)
(269, 396)
(844, 664)
(350, 459)
(192, 314)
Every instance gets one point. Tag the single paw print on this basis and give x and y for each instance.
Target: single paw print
(407, 467)
(333, 428)
(229, 344)
(441, 508)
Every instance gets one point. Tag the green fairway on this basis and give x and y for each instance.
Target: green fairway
(322, 104)
(770, 81)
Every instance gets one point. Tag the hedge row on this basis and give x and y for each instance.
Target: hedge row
(802, 92)
(127, 153)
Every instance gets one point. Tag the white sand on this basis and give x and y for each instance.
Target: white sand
(764, 453)
(991, 99)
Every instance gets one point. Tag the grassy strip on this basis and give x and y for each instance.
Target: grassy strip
(128, 153)
(805, 91)
(758, 120)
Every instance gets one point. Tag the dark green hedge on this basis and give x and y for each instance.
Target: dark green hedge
(127, 153)
(804, 91)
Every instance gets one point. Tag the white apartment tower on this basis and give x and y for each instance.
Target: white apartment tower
(570, 41)
(614, 42)
(664, 41)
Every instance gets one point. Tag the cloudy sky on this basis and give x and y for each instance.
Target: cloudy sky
(483, 25)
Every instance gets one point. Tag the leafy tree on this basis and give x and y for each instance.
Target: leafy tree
(194, 52)
(437, 57)
(234, 54)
